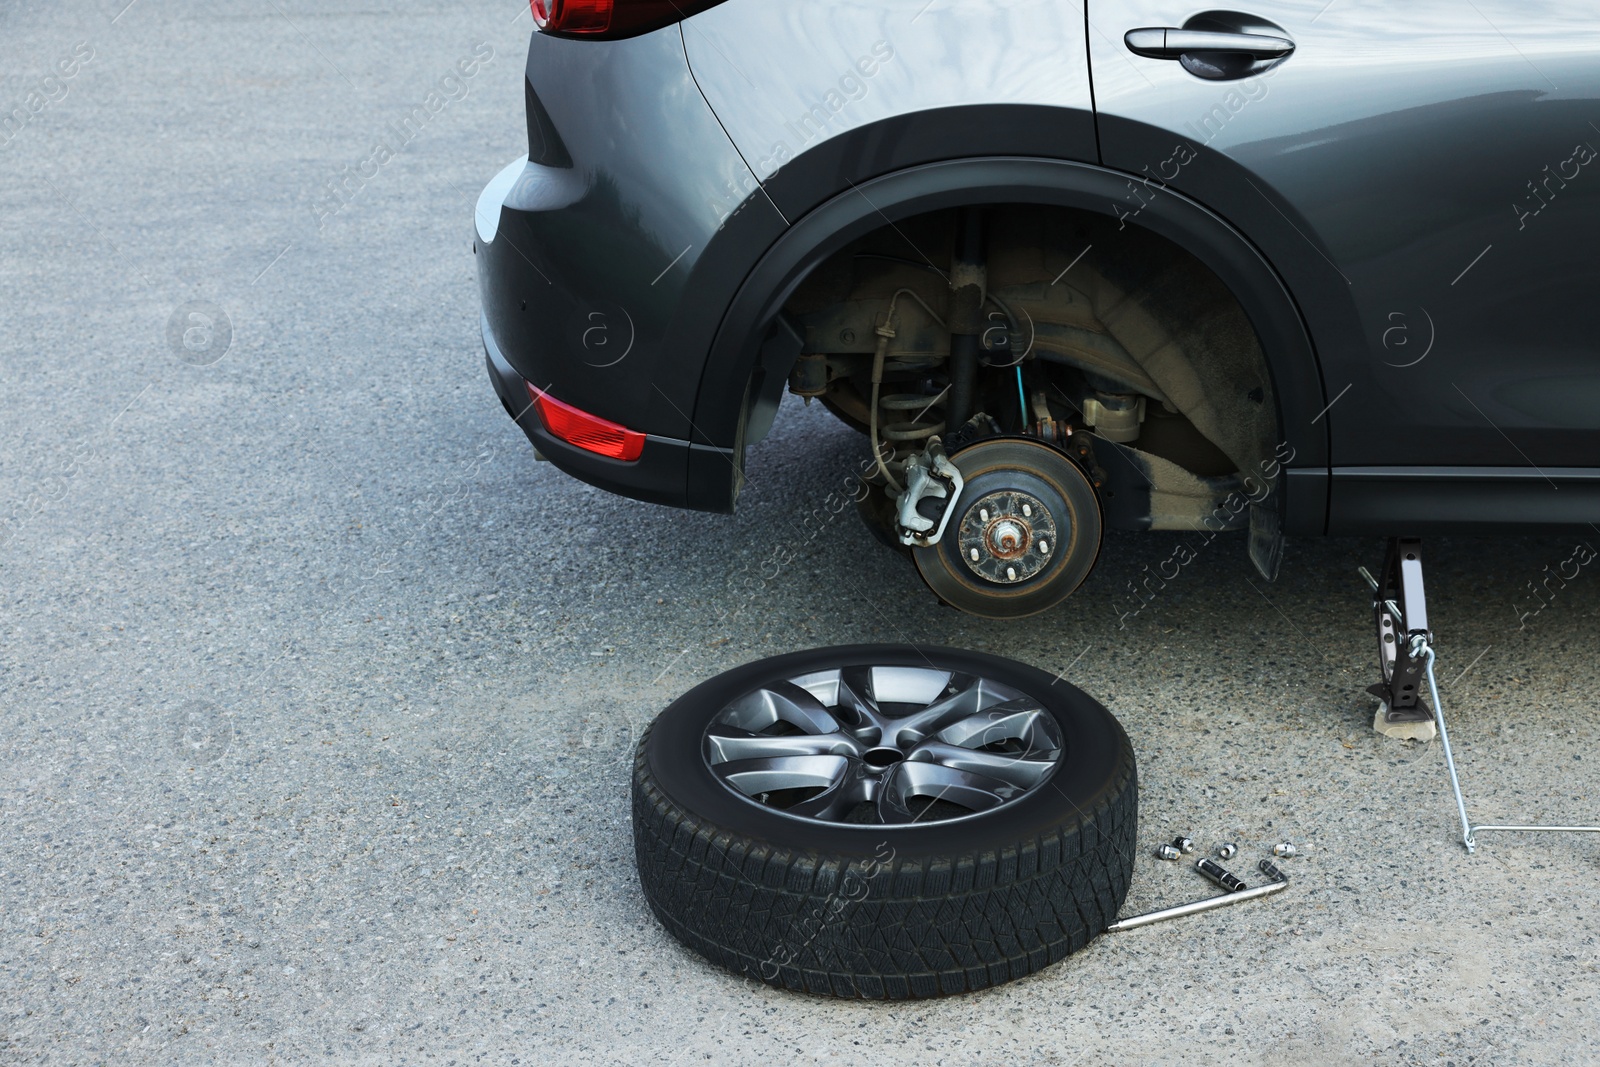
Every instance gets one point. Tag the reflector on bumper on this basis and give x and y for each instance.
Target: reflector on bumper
(588, 432)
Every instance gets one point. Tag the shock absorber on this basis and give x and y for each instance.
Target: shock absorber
(968, 282)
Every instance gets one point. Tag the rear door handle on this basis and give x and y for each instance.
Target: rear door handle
(1172, 43)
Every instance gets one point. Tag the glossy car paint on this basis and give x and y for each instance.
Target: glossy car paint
(847, 66)
(1362, 174)
(1417, 174)
(590, 274)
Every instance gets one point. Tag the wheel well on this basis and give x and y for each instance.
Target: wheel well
(1097, 316)
(1174, 306)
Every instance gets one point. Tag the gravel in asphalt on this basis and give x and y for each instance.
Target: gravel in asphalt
(317, 692)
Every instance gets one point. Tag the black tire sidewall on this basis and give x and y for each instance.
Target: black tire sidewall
(1094, 764)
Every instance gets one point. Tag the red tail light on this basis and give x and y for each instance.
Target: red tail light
(611, 19)
(589, 432)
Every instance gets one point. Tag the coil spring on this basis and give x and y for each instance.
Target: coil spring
(912, 429)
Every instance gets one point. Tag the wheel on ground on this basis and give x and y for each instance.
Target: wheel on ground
(1024, 534)
(885, 821)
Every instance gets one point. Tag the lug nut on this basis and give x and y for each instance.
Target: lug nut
(1183, 845)
(1285, 850)
(1227, 850)
(1168, 852)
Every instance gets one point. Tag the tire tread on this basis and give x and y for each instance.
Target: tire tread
(924, 927)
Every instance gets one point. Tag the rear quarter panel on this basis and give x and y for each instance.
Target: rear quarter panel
(792, 82)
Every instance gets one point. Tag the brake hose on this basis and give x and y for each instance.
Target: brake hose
(885, 333)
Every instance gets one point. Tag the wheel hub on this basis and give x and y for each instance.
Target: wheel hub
(1023, 533)
(1006, 537)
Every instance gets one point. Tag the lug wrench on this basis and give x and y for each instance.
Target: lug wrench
(1279, 883)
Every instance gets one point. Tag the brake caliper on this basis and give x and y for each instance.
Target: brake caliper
(929, 476)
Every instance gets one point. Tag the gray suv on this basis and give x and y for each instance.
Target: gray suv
(1306, 269)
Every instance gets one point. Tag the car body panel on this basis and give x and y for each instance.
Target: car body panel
(1384, 168)
(587, 278)
(908, 70)
(1457, 499)
(636, 265)
(658, 476)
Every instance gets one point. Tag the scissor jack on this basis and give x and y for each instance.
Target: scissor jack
(1406, 658)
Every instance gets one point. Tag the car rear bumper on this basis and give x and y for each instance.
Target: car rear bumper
(661, 474)
(607, 257)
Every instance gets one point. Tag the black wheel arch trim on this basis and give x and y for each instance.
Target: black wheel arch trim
(1290, 353)
(931, 135)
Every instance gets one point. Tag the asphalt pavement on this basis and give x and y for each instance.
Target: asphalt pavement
(317, 692)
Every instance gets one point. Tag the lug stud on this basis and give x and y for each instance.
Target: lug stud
(974, 554)
(1011, 574)
(1044, 548)
(983, 514)
(1027, 511)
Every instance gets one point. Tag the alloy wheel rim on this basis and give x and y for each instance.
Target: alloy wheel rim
(883, 745)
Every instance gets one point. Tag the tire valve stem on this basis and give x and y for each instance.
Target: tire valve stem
(1219, 875)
